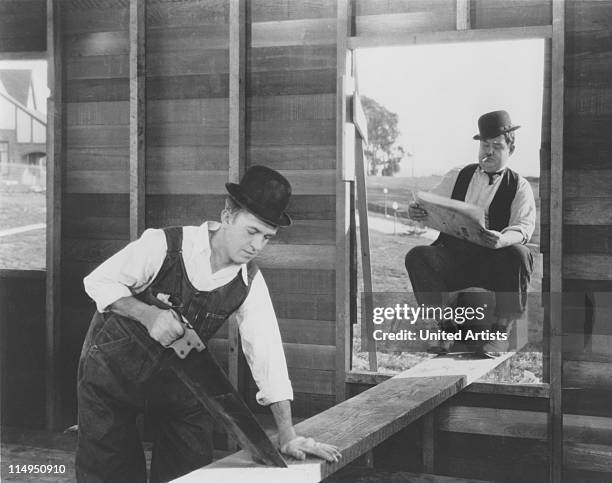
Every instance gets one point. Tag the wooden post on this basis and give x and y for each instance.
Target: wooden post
(137, 118)
(237, 154)
(55, 155)
(427, 440)
(555, 415)
(367, 339)
(463, 15)
(343, 330)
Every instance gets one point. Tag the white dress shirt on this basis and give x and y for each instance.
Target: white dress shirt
(132, 269)
(481, 193)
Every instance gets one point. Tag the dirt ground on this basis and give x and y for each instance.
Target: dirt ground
(24, 251)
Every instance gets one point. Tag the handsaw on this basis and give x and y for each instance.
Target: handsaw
(198, 370)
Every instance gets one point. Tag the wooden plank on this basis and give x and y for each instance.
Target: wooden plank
(428, 441)
(588, 402)
(288, 280)
(204, 112)
(300, 331)
(508, 423)
(588, 266)
(184, 38)
(196, 86)
(168, 210)
(367, 338)
(452, 36)
(587, 429)
(377, 7)
(299, 107)
(375, 26)
(112, 113)
(587, 375)
(463, 14)
(303, 306)
(355, 426)
(556, 261)
(310, 356)
(189, 62)
(306, 232)
(213, 158)
(302, 257)
(183, 14)
(184, 134)
(591, 457)
(137, 118)
(293, 32)
(591, 239)
(342, 313)
(95, 20)
(294, 157)
(271, 10)
(88, 90)
(513, 13)
(55, 155)
(97, 43)
(295, 57)
(317, 132)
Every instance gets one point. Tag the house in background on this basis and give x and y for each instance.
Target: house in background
(22, 132)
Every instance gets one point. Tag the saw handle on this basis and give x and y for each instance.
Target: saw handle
(187, 342)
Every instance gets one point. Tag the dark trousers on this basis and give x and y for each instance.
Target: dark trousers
(438, 269)
(121, 372)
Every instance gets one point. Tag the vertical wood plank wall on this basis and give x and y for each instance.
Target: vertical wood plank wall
(291, 126)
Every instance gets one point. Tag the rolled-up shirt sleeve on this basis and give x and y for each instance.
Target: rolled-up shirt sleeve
(127, 272)
(523, 211)
(262, 344)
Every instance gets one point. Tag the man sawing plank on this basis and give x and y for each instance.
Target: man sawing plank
(147, 296)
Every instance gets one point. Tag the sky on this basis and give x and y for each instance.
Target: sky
(439, 91)
(39, 77)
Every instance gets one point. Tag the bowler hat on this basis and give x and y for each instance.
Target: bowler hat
(492, 124)
(263, 192)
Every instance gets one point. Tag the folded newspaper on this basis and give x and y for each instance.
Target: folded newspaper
(456, 218)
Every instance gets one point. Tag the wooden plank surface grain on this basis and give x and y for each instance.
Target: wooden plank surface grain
(358, 424)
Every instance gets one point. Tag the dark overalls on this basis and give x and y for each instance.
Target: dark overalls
(122, 372)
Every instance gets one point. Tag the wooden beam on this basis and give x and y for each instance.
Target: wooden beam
(343, 201)
(463, 14)
(237, 157)
(24, 55)
(428, 442)
(359, 424)
(137, 118)
(55, 155)
(555, 415)
(367, 329)
(453, 36)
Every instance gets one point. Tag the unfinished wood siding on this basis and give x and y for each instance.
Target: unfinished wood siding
(23, 26)
(587, 237)
(291, 127)
(187, 117)
(95, 186)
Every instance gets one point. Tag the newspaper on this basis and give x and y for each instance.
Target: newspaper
(456, 218)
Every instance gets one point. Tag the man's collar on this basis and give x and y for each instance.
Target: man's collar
(204, 244)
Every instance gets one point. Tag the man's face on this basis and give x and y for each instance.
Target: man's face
(493, 154)
(245, 236)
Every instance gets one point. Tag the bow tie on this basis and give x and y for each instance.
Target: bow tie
(492, 175)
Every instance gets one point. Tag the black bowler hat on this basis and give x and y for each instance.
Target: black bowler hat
(492, 124)
(265, 193)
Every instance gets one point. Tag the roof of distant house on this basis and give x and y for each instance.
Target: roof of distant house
(17, 83)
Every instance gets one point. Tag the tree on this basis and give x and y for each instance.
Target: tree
(382, 152)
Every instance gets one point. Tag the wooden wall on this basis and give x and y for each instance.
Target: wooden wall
(291, 126)
(23, 26)
(22, 348)
(587, 236)
(290, 91)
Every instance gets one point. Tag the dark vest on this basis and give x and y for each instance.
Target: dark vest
(499, 209)
(206, 311)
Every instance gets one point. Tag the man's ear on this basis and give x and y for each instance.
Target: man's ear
(225, 216)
